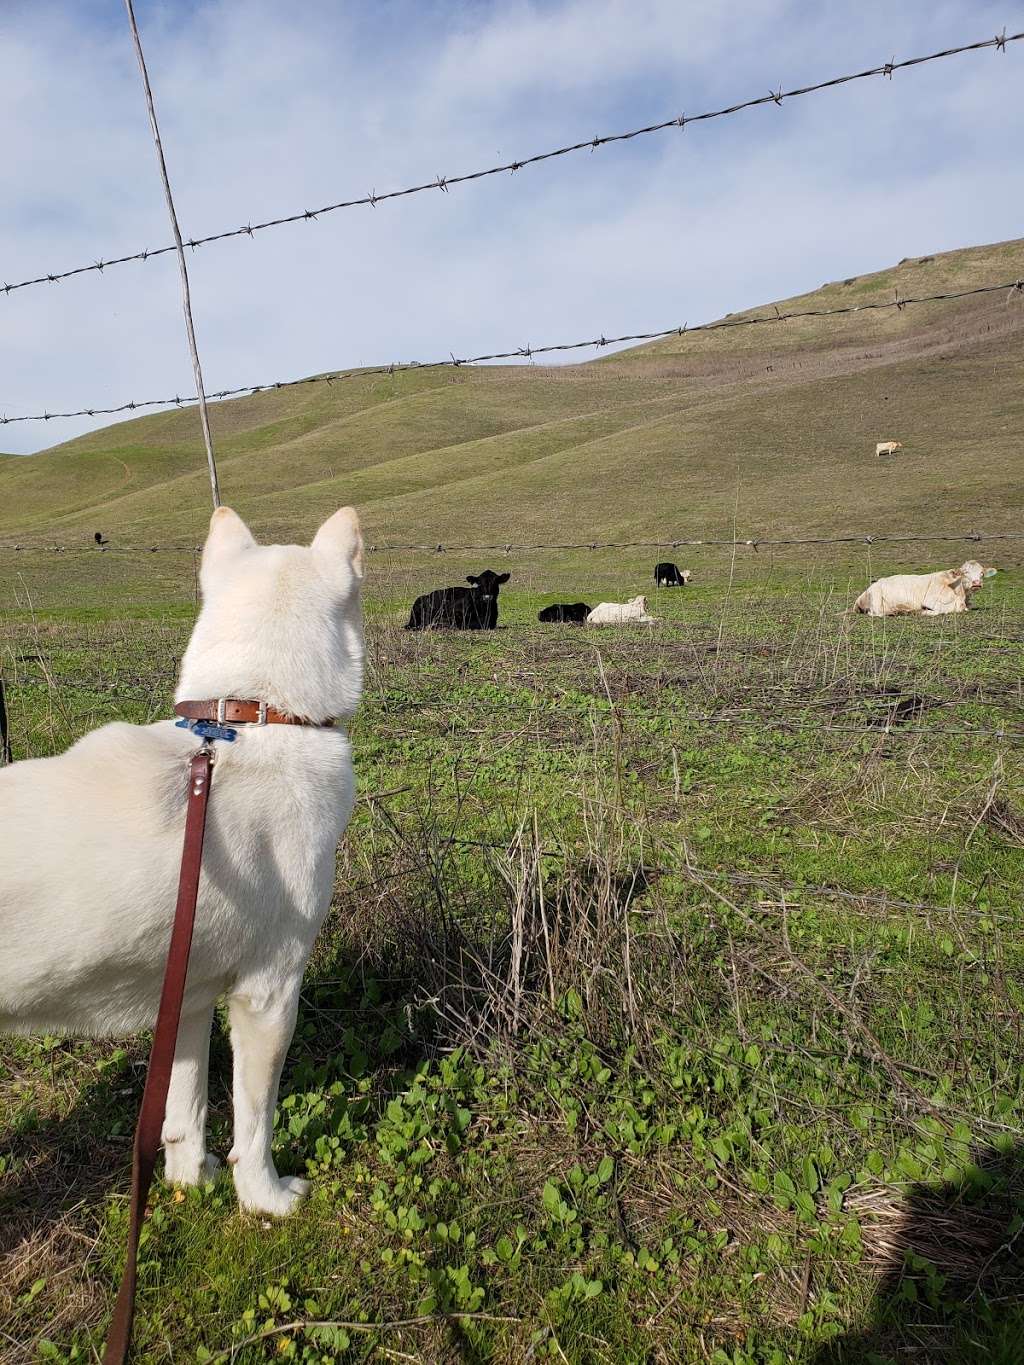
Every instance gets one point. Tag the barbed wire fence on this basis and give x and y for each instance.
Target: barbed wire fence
(1011, 288)
(527, 547)
(749, 882)
(444, 183)
(186, 297)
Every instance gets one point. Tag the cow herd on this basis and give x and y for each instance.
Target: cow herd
(476, 607)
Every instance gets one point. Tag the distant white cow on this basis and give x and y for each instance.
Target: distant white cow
(935, 594)
(888, 447)
(621, 613)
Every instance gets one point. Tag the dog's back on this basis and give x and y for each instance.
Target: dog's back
(90, 840)
(89, 904)
(90, 843)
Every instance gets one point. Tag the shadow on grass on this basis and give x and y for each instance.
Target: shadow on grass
(954, 1290)
(350, 1027)
(68, 1160)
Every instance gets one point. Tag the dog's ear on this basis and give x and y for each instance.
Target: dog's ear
(504, 577)
(340, 538)
(228, 536)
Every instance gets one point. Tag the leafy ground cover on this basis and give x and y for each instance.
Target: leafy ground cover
(669, 1008)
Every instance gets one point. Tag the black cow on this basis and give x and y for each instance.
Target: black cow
(668, 576)
(568, 613)
(474, 608)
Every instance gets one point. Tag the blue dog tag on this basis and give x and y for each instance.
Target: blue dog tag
(207, 729)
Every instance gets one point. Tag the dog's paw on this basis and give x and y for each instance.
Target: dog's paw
(276, 1196)
(183, 1167)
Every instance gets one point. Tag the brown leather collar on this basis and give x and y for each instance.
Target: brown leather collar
(232, 711)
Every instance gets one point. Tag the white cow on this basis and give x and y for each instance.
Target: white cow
(621, 613)
(888, 447)
(936, 594)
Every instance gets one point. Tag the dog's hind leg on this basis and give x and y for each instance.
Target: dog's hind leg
(260, 1034)
(184, 1131)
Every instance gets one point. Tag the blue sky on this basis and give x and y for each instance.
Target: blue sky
(267, 108)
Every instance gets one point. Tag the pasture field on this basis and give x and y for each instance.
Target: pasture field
(669, 1008)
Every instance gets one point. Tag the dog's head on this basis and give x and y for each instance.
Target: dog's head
(280, 623)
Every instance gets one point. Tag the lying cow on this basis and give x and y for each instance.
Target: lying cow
(566, 613)
(621, 613)
(669, 576)
(936, 594)
(474, 608)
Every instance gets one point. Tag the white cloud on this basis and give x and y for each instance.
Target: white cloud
(263, 114)
(528, 49)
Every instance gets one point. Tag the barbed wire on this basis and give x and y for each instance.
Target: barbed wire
(525, 547)
(186, 294)
(1009, 287)
(445, 182)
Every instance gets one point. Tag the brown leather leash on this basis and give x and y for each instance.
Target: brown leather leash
(213, 719)
(161, 1057)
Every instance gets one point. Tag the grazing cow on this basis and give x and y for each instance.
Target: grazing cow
(668, 575)
(474, 608)
(934, 594)
(621, 613)
(100, 538)
(888, 447)
(566, 613)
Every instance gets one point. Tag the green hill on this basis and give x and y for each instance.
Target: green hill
(775, 426)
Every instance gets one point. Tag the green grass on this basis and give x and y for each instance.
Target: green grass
(670, 1003)
(750, 1090)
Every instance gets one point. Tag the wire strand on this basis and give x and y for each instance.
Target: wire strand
(1015, 286)
(186, 299)
(445, 182)
(513, 547)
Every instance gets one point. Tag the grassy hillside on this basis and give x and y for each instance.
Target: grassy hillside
(775, 426)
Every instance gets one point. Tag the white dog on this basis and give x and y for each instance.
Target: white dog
(90, 845)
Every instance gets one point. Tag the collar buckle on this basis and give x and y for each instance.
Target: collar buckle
(261, 713)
